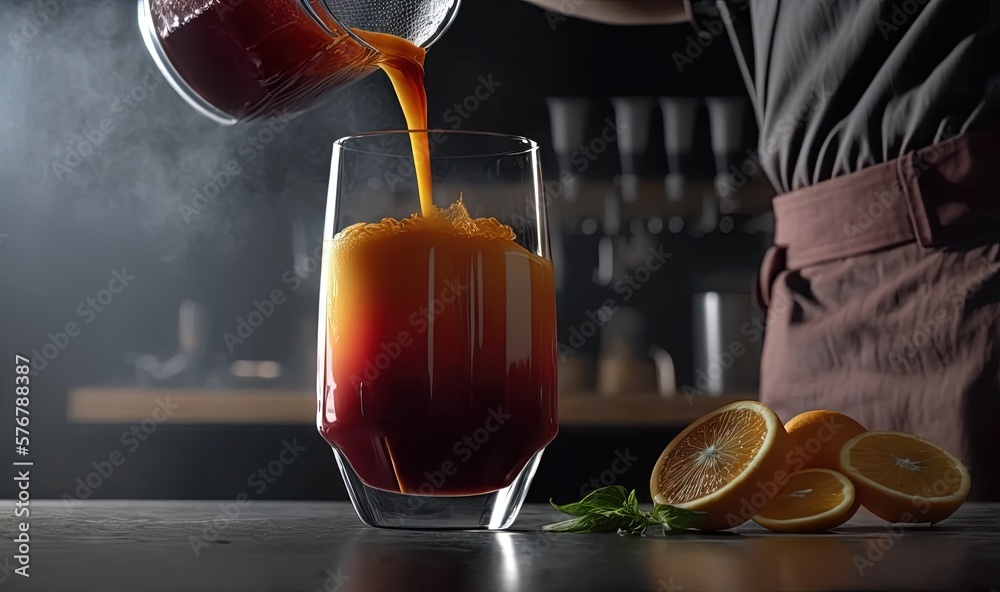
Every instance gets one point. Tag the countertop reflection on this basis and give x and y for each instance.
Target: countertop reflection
(252, 545)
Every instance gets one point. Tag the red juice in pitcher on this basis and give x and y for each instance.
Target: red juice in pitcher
(257, 58)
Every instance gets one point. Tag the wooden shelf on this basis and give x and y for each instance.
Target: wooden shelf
(275, 407)
(596, 410)
(754, 197)
(131, 405)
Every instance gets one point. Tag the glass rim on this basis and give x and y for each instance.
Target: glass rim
(529, 146)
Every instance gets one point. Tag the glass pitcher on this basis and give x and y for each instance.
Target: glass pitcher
(234, 60)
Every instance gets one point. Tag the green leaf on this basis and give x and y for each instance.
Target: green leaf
(610, 498)
(597, 522)
(573, 509)
(632, 502)
(674, 518)
(606, 498)
(615, 509)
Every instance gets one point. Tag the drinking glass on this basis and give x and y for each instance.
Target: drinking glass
(437, 347)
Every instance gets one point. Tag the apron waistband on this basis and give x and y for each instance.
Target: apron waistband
(935, 196)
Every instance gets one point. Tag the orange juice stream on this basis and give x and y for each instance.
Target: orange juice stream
(403, 62)
(439, 376)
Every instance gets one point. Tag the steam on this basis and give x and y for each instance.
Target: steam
(89, 125)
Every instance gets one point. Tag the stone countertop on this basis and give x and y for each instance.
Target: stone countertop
(108, 546)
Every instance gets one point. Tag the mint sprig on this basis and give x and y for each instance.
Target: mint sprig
(615, 509)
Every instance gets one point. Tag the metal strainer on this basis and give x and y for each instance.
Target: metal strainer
(419, 21)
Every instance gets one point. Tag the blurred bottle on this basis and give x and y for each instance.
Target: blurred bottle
(568, 123)
(726, 117)
(679, 117)
(632, 117)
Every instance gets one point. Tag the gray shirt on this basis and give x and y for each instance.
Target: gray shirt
(840, 85)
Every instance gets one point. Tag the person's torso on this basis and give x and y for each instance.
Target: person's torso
(840, 85)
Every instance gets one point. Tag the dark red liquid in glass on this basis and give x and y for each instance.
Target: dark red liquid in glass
(440, 369)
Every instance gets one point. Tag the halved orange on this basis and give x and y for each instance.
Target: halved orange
(903, 478)
(729, 464)
(813, 500)
(817, 437)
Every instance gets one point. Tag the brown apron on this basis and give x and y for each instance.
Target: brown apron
(883, 300)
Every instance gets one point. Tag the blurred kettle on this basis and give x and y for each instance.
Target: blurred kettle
(727, 342)
(627, 363)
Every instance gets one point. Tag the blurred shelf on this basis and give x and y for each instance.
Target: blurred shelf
(189, 406)
(754, 197)
(644, 409)
(194, 406)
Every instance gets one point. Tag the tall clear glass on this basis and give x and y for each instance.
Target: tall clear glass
(437, 337)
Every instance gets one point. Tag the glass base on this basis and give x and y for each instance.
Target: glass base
(490, 511)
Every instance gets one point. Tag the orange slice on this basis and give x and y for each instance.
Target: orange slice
(903, 478)
(813, 500)
(817, 437)
(729, 464)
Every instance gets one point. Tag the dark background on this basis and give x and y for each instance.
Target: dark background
(63, 233)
